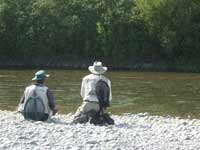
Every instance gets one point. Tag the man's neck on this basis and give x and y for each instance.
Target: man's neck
(39, 84)
(96, 74)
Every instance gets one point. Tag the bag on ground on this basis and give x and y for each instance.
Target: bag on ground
(100, 119)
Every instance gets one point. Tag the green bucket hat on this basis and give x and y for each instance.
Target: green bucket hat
(40, 75)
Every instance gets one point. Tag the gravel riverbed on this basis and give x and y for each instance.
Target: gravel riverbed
(130, 132)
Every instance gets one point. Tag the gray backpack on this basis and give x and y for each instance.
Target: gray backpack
(34, 109)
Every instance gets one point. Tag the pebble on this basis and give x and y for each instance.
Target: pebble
(131, 131)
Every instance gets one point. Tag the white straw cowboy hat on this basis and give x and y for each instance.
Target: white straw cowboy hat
(97, 68)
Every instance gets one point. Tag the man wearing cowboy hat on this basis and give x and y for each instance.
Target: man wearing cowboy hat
(88, 93)
(37, 102)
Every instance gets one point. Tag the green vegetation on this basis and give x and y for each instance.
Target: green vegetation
(118, 32)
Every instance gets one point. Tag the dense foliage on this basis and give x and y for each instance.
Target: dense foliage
(116, 31)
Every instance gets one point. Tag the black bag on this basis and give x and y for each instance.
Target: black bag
(103, 93)
(100, 119)
(34, 109)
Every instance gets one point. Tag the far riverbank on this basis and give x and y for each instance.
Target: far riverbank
(78, 63)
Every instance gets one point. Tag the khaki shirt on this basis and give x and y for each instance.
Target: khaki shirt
(88, 87)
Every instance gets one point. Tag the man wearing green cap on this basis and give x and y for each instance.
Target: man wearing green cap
(37, 102)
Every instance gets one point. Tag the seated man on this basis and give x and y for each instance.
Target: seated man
(95, 99)
(37, 102)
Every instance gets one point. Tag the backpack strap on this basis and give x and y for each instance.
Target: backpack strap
(34, 108)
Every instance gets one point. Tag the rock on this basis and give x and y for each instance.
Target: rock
(131, 131)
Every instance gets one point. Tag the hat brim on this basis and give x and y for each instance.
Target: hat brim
(100, 70)
(42, 78)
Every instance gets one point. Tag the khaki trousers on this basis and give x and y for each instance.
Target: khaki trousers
(81, 114)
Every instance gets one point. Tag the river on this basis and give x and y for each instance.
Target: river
(158, 93)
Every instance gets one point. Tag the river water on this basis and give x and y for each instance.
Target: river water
(158, 93)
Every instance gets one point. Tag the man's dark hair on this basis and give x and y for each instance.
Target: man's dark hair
(40, 81)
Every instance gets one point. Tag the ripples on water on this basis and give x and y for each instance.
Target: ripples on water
(158, 93)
